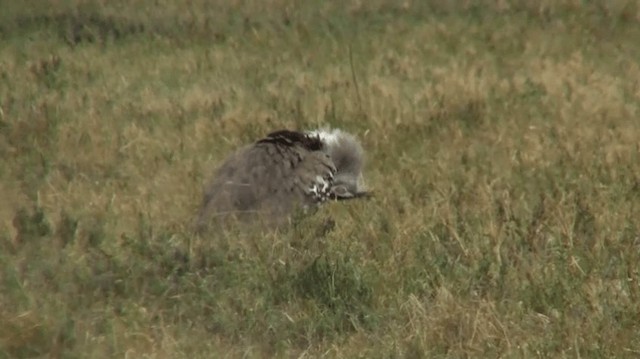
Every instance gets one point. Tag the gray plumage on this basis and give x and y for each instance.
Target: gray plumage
(347, 155)
(281, 173)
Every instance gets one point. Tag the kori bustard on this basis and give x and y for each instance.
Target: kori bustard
(281, 173)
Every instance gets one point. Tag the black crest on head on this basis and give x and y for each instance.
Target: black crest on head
(291, 138)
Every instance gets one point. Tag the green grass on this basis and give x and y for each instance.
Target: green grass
(502, 139)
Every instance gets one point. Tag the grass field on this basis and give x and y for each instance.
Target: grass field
(503, 140)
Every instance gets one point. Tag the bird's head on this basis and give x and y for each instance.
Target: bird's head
(348, 157)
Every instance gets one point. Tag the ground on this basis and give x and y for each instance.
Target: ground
(503, 152)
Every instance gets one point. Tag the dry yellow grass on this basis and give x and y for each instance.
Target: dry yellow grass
(503, 139)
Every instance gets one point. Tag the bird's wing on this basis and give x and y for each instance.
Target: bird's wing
(268, 177)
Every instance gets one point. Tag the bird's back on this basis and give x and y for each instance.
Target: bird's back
(268, 180)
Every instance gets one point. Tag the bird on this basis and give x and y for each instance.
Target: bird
(281, 173)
